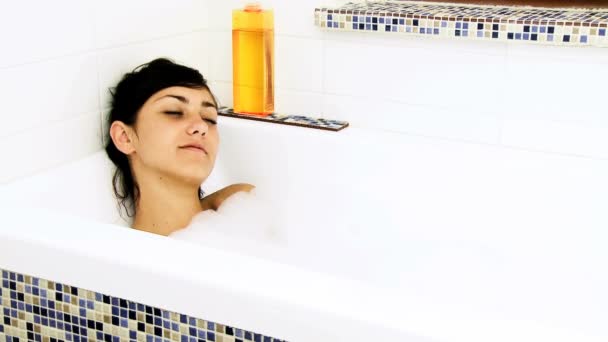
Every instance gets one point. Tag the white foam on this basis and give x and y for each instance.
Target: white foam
(244, 223)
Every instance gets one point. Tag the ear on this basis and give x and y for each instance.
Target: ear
(120, 134)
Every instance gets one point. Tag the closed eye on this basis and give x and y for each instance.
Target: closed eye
(169, 112)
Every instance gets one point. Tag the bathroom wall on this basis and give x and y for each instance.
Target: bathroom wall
(59, 61)
(535, 97)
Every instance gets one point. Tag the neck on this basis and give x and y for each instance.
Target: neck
(165, 205)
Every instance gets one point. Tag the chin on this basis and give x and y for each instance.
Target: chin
(196, 176)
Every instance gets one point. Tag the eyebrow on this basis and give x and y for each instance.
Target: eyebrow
(205, 103)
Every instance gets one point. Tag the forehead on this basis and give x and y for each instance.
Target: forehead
(195, 94)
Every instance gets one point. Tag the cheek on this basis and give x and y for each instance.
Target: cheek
(215, 142)
(155, 141)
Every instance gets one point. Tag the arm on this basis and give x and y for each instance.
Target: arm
(214, 200)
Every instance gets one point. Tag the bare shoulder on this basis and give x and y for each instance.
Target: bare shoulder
(214, 200)
(238, 187)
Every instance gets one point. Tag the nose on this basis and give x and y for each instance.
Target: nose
(198, 126)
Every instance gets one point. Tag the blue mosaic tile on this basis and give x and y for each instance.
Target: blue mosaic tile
(60, 324)
(497, 23)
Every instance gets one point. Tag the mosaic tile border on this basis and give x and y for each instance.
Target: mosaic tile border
(565, 27)
(35, 309)
(293, 120)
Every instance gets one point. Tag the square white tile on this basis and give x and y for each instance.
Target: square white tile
(547, 86)
(38, 30)
(190, 49)
(294, 102)
(37, 94)
(223, 92)
(423, 120)
(123, 22)
(299, 63)
(558, 137)
(220, 56)
(48, 146)
(416, 76)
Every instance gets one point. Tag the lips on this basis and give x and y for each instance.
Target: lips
(195, 148)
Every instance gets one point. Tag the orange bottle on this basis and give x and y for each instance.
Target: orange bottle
(253, 60)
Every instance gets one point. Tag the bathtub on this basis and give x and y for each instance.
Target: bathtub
(384, 236)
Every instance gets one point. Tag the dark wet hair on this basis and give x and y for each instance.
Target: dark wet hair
(127, 98)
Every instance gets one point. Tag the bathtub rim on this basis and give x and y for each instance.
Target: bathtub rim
(289, 307)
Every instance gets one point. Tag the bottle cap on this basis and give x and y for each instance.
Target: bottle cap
(253, 7)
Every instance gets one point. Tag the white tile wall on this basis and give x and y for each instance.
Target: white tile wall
(40, 93)
(119, 22)
(424, 120)
(557, 100)
(220, 60)
(59, 60)
(299, 63)
(544, 98)
(431, 76)
(37, 30)
(299, 102)
(558, 86)
(43, 147)
(560, 137)
(190, 49)
(223, 92)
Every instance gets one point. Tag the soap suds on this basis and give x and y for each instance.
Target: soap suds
(245, 223)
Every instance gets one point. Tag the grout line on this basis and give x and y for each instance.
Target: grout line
(136, 42)
(97, 50)
(447, 107)
(100, 110)
(97, 76)
(498, 145)
(315, 36)
(502, 101)
(54, 163)
(459, 140)
(401, 41)
(53, 122)
(224, 82)
(323, 76)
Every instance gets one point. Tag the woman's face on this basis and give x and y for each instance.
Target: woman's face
(177, 134)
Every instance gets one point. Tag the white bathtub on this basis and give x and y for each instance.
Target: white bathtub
(386, 237)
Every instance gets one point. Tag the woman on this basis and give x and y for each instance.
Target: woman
(163, 138)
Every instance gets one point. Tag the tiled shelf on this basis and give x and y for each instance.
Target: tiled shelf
(292, 120)
(566, 27)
